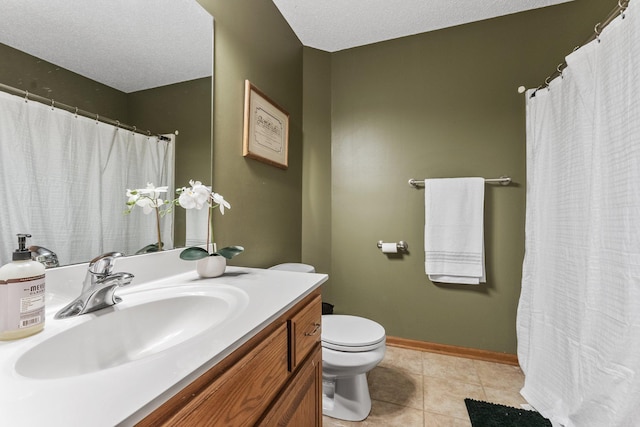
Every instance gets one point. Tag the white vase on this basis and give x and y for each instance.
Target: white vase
(211, 266)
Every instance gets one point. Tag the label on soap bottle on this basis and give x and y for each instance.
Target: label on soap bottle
(23, 303)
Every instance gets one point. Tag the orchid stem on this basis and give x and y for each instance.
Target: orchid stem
(210, 231)
(158, 228)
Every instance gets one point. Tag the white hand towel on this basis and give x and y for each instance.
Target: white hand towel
(454, 230)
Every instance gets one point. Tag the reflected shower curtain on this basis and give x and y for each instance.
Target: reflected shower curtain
(63, 179)
(578, 318)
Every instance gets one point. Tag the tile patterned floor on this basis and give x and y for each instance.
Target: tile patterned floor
(413, 388)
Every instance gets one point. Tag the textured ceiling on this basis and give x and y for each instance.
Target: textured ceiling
(333, 25)
(129, 45)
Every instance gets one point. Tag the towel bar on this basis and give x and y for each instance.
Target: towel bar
(503, 180)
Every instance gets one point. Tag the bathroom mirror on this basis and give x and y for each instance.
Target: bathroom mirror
(144, 63)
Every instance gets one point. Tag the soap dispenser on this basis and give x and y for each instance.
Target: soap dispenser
(21, 294)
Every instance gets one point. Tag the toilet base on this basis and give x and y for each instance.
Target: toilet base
(346, 398)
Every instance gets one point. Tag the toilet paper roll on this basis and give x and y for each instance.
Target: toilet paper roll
(389, 248)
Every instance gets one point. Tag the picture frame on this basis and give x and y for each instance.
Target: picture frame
(266, 129)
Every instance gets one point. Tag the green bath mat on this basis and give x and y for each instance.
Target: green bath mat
(485, 414)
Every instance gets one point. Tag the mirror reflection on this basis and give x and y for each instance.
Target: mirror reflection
(136, 74)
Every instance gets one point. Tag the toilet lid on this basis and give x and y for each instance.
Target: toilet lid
(294, 266)
(351, 333)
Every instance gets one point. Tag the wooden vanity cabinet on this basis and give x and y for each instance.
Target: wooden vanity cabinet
(301, 402)
(274, 379)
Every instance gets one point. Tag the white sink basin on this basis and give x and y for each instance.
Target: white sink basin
(146, 323)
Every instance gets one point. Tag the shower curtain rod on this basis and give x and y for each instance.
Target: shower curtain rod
(617, 11)
(47, 101)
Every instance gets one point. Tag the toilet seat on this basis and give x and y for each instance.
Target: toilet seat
(351, 333)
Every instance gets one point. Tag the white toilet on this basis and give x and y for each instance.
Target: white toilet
(351, 347)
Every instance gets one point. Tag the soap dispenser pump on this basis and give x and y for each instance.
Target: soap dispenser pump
(22, 298)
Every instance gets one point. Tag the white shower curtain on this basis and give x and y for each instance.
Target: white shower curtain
(63, 179)
(579, 313)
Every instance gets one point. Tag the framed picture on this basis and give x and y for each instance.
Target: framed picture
(266, 128)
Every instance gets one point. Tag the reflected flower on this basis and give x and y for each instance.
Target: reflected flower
(149, 200)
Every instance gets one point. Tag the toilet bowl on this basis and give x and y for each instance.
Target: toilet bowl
(351, 347)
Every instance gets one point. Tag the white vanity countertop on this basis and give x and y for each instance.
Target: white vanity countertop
(124, 394)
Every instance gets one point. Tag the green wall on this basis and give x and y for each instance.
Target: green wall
(440, 104)
(254, 42)
(316, 161)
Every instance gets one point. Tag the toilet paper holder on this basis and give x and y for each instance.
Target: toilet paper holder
(402, 246)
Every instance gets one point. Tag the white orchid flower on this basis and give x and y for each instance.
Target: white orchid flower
(218, 199)
(132, 196)
(147, 205)
(147, 198)
(190, 199)
(197, 196)
(152, 191)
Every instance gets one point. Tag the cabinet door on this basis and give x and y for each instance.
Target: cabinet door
(305, 330)
(240, 396)
(300, 404)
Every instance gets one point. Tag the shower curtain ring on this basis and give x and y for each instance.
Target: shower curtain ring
(595, 29)
(559, 68)
(76, 112)
(26, 96)
(53, 104)
(622, 7)
(118, 124)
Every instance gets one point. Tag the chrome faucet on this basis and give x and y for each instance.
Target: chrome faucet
(98, 288)
(47, 257)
